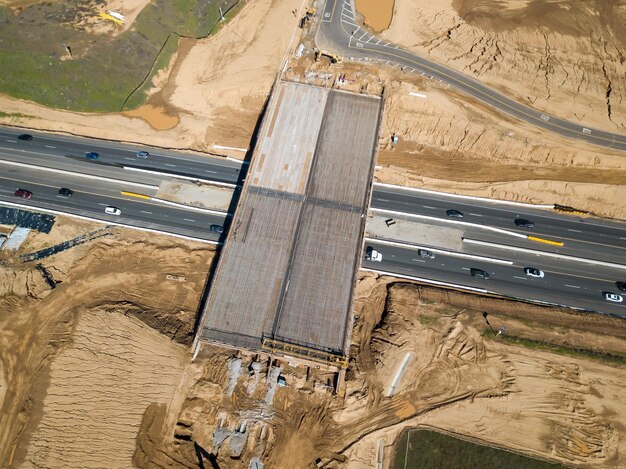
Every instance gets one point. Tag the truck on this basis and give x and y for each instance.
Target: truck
(373, 255)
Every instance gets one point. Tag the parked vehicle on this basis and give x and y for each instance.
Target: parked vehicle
(426, 254)
(143, 154)
(614, 297)
(65, 192)
(532, 272)
(26, 137)
(523, 223)
(216, 229)
(92, 155)
(23, 193)
(454, 213)
(372, 254)
(112, 210)
(621, 286)
(479, 273)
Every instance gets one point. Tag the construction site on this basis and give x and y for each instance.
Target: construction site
(273, 348)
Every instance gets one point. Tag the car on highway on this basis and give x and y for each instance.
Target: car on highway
(143, 154)
(112, 210)
(425, 254)
(92, 155)
(65, 192)
(614, 297)
(532, 272)
(479, 273)
(454, 213)
(523, 223)
(23, 193)
(621, 286)
(216, 229)
(26, 137)
(372, 254)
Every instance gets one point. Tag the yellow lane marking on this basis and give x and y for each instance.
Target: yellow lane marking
(482, 93)
(135, 194)
(545, 241)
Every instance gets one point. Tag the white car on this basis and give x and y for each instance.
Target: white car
(614, 297)
(372, 254)
(112, 210)
(532, 272)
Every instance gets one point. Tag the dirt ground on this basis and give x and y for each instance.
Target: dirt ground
(228, 409)
(565, 57)
(85, 349)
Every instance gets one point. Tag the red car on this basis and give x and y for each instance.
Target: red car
(23, 193)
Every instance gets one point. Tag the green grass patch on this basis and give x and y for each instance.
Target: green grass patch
(418, 448)
(613, 358)
(105, 69)
(17, 115)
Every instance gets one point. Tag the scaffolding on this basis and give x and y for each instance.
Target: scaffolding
(305, 353)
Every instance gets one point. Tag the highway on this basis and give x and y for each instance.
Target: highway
(582, 290)
(589, 237)
(98, 184)
(68, 153)
(339, 33)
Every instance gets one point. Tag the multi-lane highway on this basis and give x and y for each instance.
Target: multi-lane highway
(340, 33)
(47, 163)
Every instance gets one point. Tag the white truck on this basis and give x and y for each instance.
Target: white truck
(372, 254)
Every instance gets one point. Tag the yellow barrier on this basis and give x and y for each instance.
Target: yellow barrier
(106, 16)
(545, 241)
(134, 194)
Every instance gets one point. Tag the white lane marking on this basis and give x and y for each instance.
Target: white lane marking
(465, 268)
(572, 286)
(428, 206)
(418, 260)
(211, 172)
(12, 141)
(521, 278)
(543, 253)
(49, 146)
(170, 165)
(130, 159)
(188, 219)
(475, 214)
(383, 200)
(574, 231)
(144, 211)
(102, 204)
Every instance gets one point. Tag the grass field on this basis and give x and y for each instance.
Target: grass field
(106, 69)
(417, 448)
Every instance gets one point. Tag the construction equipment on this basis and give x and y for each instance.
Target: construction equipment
(334, 58)
(307, 17)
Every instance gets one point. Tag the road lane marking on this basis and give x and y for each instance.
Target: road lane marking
(144, 211)
(170, 165)
(521, 278)
(418, 260)
(427, 206)
(545, 241)
(475, 214)
(12, 141)
(542, 253)
(129, 159)
(572, 286)
(188, 219)
(383, 200)
(210, 172)
(49, 146)
(574, 231)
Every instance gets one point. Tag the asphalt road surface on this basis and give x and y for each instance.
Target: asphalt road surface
(339, 33)
(581, 291)
(587, 237)
(68, 153)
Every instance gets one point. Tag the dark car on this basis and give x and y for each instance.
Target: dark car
(523, 223)
(426, 254)
(23, 193)
(65, 192)
(142, 154)
(216, 229)
(478, 273)
(26, 137)
(621, 286)
(454, 213)
(92, 155)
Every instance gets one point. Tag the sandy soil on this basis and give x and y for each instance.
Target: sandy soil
(63, 350)
(215, 90)
(460, 378)
(563, 57)
(376, 14)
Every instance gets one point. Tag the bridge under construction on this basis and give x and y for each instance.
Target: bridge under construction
(285, 277)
